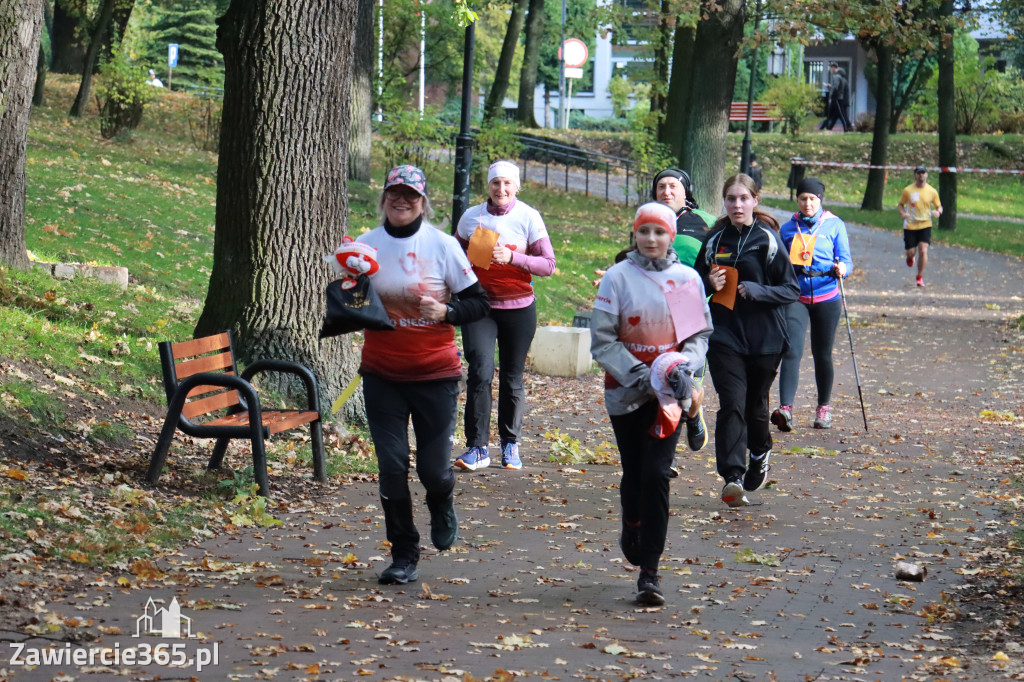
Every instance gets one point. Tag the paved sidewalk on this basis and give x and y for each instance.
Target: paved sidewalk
(799, 585)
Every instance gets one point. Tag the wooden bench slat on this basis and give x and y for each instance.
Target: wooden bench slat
(200, 390)
(194, 408)
(208, 363)
(206, 344)
(274, 421)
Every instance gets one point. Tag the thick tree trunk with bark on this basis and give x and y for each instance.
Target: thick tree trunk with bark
(282, 182)
(99, 33)
(118, 25)
(680, 87)
(531, 58)
(21, 23)
(492, 108)
(659, 89)
(947, 120)
(69, 22)
(360, 139)
(716, 41)
(874, 193)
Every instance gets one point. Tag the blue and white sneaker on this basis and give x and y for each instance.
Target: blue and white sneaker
(473, 459)
(510, 456)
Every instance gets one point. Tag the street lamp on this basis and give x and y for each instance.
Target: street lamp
(464, 141)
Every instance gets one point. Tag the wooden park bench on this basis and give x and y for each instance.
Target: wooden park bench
(200, 378)
(759, 111)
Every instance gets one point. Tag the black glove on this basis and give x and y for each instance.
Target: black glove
(681, 381)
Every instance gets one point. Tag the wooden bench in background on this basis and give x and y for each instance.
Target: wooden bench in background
(759, 111)
(200, 377)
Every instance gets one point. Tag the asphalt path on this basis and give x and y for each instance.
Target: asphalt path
(800, 585)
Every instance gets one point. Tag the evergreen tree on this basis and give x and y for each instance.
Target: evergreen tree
(192, 25)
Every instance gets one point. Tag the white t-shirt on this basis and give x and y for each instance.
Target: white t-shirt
(428, 263)
(516, 230)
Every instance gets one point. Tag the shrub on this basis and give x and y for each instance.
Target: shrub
(792, 100)
(407, 138)
(204, 115)
(121, 96)
(497, 140)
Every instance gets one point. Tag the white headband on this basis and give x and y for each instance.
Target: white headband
(503, 169)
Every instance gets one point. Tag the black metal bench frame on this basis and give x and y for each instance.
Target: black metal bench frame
(183, 380)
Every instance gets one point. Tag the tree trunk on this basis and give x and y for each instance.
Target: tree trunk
(39, 91)
(874, 193)
(716, 41)
(947, 119)
(118, 25)
(360, 140)
(281, 182)
(904, 100)
(21, 23)
(659, 94)
(69, 27)
(103, 19)
(531, 58)
(495, 98)
(680, 85)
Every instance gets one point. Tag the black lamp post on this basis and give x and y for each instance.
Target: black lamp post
(464, 141)
(745, 150)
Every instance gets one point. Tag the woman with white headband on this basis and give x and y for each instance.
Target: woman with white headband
(649, 331)
(519, 248)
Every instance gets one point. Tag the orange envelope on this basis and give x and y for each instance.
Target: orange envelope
(481, 247)
(727, 295)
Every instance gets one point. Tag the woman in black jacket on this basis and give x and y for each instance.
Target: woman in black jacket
(750, 335)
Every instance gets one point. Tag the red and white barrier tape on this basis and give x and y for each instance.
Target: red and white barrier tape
(942, 169)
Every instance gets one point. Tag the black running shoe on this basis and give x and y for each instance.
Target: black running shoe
(732, 494)
(696, 431)
(757, 472)
(629, 542)
(648, 589)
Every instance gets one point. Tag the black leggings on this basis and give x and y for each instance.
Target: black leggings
(823, 318)
(643, 490)
(512, 332)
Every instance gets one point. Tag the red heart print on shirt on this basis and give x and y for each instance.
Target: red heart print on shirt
(510, 247)
(634, 320)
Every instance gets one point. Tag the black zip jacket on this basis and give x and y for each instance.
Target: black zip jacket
(756, 325)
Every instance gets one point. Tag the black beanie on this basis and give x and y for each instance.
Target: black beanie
(684, 179)
(811, 186)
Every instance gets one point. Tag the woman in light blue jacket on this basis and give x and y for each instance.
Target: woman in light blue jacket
(820, 251)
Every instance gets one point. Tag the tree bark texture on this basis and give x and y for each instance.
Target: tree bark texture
(680, 86)
(716, 41)
(360, 138)
(69, 30)
(947, 119)
(21, 23)
(659, 94)
(100, 30)
(531, 59)
(282, 182)
(495, 98)
(874, 193)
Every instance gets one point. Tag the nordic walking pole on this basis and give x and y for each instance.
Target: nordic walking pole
(849, 332)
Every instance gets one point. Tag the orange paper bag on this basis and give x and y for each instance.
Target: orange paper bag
(727, 295)
(481, 247)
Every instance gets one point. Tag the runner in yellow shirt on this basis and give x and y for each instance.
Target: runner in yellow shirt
(919, 203)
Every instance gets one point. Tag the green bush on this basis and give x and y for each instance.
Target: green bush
(408, 138)
(122, 95)
(497, 140)
(792, 100)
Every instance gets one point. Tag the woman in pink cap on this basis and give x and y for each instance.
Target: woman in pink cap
(649, 331)
(522, 250)
(412, 372)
